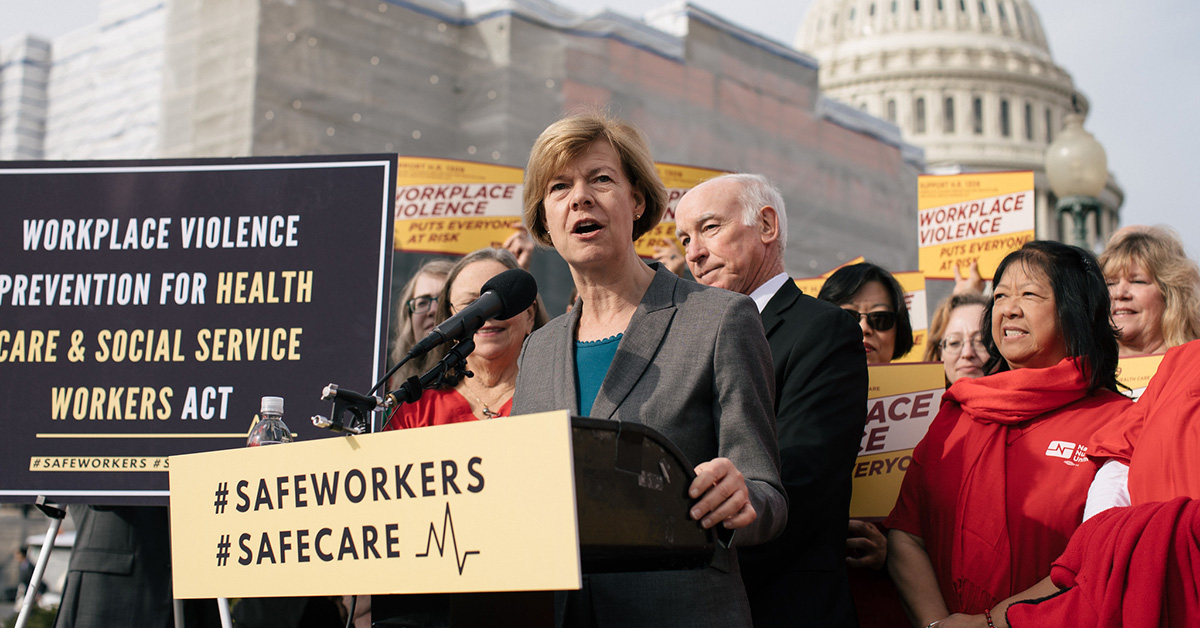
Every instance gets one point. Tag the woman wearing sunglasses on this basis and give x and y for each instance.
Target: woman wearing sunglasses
(877, 300)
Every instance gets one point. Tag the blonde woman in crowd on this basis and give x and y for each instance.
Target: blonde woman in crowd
(1155, 290)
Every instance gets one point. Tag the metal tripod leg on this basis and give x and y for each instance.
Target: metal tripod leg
(56, 515)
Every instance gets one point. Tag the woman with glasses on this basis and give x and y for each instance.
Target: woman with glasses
(493, 363)
(954, 336)
(877, 300)
(997, 486)
(415, 317)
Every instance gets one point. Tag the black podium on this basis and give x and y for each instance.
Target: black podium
(632, 508)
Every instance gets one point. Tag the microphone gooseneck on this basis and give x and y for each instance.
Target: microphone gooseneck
(501, 297)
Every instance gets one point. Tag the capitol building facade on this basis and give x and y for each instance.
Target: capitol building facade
(874, 93)
(970, 81)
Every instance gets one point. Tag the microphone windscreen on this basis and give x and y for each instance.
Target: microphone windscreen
(516, 288)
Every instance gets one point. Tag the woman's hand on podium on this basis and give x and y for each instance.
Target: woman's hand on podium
(722, 494)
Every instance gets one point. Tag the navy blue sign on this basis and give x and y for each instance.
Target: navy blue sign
(146, 307)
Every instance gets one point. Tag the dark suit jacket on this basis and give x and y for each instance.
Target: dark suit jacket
(820, 406)
(120, 570)
(694, 365)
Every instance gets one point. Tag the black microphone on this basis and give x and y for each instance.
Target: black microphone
(502, 297)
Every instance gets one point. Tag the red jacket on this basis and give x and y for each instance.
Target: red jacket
(437, 407)
(1125, 568)
(1159, 436)
(998, 484)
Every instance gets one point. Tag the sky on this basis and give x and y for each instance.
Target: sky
(1137, 62)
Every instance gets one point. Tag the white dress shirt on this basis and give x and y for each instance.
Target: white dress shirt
(762, 295)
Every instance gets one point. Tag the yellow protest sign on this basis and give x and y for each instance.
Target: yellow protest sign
(913, 284)
(902, 401)
(812, 285)
(468, 507)
(1135, 372)
(678, 180)
(972, 217)
(453, 206)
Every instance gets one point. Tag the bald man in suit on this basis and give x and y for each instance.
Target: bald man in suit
(734, 230)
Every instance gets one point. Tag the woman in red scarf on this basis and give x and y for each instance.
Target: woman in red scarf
(999, 482)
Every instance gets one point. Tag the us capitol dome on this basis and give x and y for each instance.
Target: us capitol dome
(970, 81)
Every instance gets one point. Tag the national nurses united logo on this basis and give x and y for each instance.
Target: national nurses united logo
(1072, 453)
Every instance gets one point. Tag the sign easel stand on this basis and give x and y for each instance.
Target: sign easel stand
(56, 515)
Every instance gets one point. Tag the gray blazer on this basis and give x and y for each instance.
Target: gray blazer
(694, 365)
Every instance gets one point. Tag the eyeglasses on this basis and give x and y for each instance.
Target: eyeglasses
(420, 305)
(954, 346)
(879, 321)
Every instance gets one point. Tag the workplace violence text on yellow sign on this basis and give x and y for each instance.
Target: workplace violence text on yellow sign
(467, 507)
(902, 401)
(968, 218)
(455, 207)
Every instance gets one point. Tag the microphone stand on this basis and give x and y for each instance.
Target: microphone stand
(411, 390)
(359, 406)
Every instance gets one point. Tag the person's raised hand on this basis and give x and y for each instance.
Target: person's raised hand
(520, 244)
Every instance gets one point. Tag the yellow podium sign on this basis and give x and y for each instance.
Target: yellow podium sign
(902, 401)
(468, 507)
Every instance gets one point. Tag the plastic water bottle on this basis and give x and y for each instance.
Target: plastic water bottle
(270, 429)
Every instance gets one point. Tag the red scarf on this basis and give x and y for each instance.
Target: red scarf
(995, 404)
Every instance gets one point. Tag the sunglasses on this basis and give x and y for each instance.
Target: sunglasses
(879, 321)
(420, 305)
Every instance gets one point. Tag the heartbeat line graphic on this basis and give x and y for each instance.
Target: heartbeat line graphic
(447, 522)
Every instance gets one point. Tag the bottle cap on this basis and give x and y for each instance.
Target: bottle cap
(272, 405)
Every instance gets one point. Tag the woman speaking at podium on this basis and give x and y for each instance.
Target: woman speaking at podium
(644, 346)
(493, 363)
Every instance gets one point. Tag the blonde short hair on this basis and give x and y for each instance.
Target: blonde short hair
(1159, 250)
(565, 140)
